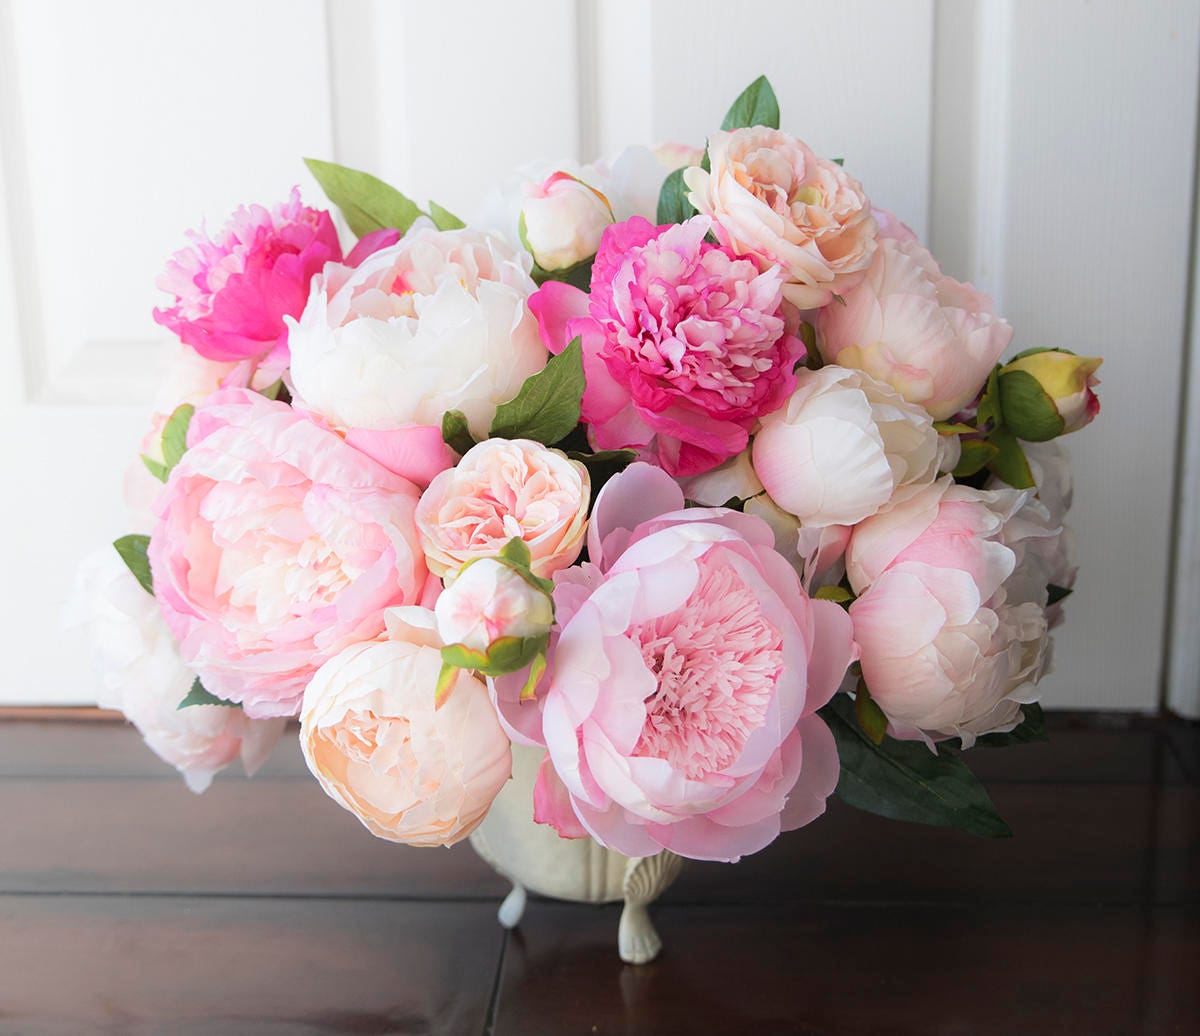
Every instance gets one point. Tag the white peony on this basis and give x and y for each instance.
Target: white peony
(140, 673)
(844, 445)
(436, 322)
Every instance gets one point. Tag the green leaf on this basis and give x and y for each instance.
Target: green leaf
(673, 204)
(837, 594)
(988, 412)
(904, 780)
(199, 696)
(975, 456)
(1057, 593)
(174, 436)
(444, 219)
(456, 433)
(366, 201)
(869, 715)
(1010, 463)
(462, 657)
(156, 468)
(579, 275)
(755, 106)
(1030, 730)
(517, 551)
(273, 390)
(547, 407)
(1029, 411)
(838, 161)
(133, 550)
(952, 428)
(603, 456)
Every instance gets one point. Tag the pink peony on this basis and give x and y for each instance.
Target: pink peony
(684, 344)
(504, 489)
(277, 545)
(950, 617)
(930, 337)
(679, 706)
(233, 291)
(772, 198)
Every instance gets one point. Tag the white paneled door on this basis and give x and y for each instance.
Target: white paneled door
(1045, 150)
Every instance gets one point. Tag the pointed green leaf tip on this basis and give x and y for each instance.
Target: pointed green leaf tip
(673, 204)
(456, 433)
(199, 696)
(755, 106)
(366, 201)
(444, 219)
(904, 780)
(547, 407)
(133, 550)
(174, 436)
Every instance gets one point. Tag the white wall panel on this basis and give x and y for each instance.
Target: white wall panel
(121, 124)
(853, 80)
(1080, 222)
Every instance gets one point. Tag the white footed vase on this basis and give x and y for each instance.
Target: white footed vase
(534, 858)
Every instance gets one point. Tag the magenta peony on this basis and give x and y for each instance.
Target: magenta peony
(678, 710)
(684, 344)
(277, 545)
(233, 290)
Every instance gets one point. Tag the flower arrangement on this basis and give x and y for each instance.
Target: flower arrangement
(692, 469)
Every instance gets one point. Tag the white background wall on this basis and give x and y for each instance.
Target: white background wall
(1044, 149)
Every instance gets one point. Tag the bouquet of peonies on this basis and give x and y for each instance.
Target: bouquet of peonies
(692, 469)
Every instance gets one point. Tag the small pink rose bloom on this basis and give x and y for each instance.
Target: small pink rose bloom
(233, 290)
(139, 672)
(373, 738)
(771, 197)
(930, 337)
(505, 489)
(684, 344)
(277, 545)
(951, 613)
(490, 601)
(679, 706)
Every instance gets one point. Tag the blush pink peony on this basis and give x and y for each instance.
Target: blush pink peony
(277, 545)
(679, 707)
(505, 489)
(951, 613)
(233, 290)
(771, 197)
(684, 344)
(372, 736)
(930, 337)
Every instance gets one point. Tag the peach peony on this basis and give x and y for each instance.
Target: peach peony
(504, 489)
(371, 735)
(772, 198)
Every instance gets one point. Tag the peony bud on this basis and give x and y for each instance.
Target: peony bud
(562, 221)
(495, 618)
(1045, 393)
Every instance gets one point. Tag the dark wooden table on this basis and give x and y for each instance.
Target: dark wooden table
(128, 905)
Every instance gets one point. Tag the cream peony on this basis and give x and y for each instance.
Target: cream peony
(772, 198)
(930, 337)
(436, 322)
(139, 672)
(504, 489)
(370, 734)
(844, 445)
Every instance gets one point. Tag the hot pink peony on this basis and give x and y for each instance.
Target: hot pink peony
(678, 710)
(232, 291)
(684, 344)
(277, 545)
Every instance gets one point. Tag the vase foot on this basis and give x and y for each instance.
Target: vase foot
(637, 940)
(513, 908)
